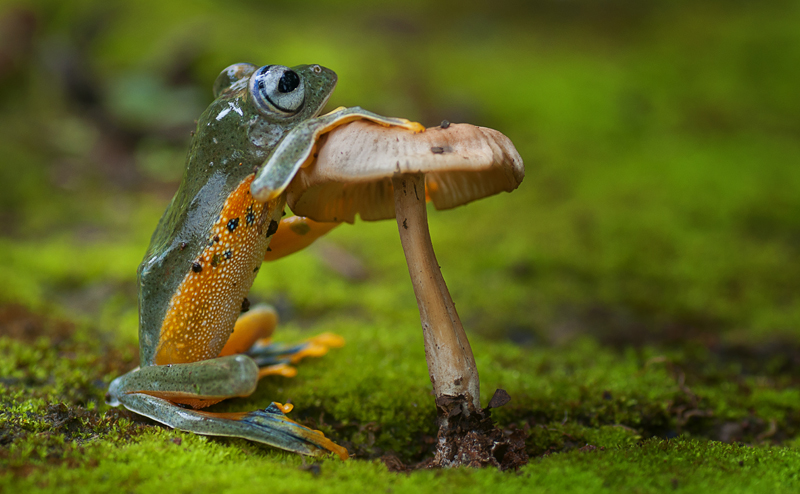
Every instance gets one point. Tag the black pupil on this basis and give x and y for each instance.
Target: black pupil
(289, 82)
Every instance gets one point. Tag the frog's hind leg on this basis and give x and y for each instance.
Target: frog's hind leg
(269, 426)
(275, 358)
(252, 336)
(153, 391)
(257, 324)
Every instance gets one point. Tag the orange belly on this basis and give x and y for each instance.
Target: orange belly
(204, 309)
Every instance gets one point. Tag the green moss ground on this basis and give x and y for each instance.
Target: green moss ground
(637, 296)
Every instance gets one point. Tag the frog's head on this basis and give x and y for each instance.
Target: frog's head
(254, 108)
(280, 94)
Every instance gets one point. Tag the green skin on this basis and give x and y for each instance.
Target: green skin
(232, 130)
(244, 135)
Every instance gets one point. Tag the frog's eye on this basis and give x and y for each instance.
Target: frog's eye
(277, 88)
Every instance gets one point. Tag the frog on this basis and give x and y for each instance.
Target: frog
(199, 341)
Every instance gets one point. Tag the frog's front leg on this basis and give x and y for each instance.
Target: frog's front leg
(297, 148)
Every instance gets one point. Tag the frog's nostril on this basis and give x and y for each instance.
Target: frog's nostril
(316, 69)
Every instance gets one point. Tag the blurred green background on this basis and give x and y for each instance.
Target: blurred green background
(660, 140)
(660, 213)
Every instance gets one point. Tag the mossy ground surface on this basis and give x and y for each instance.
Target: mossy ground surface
(638, 296)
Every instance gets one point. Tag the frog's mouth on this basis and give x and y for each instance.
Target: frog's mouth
(322, 104)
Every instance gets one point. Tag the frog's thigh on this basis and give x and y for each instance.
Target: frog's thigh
(257, 324)
(295, 233)
(197, 384)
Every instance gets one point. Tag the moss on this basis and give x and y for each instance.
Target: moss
(637, 296)
(650, 466)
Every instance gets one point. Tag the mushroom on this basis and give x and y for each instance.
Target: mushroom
(383, 172)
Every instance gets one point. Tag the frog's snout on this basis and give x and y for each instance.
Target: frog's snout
(324, 72)
(111, 401)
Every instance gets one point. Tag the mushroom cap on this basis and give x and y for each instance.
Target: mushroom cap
(355, 163)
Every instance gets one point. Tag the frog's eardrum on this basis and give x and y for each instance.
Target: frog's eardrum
(355, 164)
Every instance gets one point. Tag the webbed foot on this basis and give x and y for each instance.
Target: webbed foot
(269, 426)
(267, 354)
(156, 391)
(252, 337)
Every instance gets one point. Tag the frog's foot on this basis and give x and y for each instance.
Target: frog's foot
(274, 358)
(269, 426)
(257, 324)
(155, 391)
(251, 336)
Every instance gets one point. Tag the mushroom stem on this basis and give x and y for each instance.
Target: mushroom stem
(451, 364)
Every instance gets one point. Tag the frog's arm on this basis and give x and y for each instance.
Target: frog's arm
(297, 148)
(295, 233)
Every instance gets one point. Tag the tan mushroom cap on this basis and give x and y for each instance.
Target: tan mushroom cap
(355, 164)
